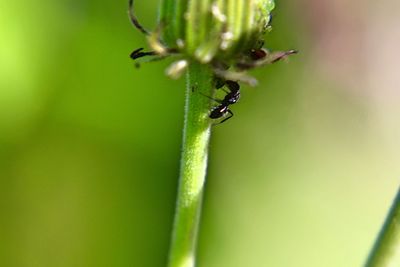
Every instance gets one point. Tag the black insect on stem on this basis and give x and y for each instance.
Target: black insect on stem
(230, 98)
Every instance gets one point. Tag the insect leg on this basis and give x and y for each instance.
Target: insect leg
(227, 118)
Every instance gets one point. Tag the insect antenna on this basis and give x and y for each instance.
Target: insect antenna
(213, 99)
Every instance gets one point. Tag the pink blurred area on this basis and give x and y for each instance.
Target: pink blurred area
(354, 44)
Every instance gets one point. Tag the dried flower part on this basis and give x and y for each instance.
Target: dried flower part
(214, 29)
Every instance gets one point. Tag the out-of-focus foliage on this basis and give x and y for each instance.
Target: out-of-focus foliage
(89, 145)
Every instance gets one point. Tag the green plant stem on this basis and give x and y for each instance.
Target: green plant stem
(386, 251)
(196, 135)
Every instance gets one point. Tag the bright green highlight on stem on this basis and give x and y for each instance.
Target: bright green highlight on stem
(196, 135)
(386, 251)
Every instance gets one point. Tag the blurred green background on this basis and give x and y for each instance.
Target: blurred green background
(303, 175)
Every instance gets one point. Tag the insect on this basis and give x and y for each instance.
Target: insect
(230, 98)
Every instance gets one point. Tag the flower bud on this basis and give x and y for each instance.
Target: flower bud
(228, 35)
(205, 30)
